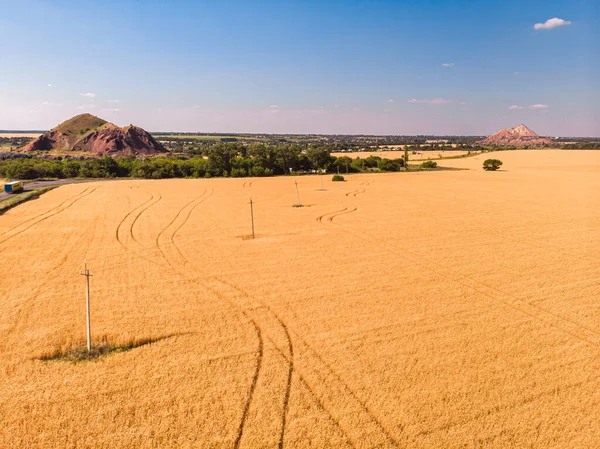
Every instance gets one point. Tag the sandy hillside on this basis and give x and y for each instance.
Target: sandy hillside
(430, 309)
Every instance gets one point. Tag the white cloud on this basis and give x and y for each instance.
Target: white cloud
(112, 110)
(551, 23)
(448, 64)
(85, 106)
(391, 100)
(112, 101)
(50, 85)
(274, 106)
(33, 111)
(516, 107)
(88, 94)
(439, 100)
(49, 103)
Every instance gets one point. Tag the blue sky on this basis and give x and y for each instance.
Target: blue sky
(374, 67)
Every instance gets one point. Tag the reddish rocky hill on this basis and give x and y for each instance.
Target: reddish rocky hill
(519, 135)
(89, 134)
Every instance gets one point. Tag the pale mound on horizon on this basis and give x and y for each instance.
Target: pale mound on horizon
(518, 136)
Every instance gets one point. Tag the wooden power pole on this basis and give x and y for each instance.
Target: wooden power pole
(252, 215)
(87, 275)
(297, 194)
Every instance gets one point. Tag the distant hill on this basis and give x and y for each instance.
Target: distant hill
(519, 135)
(89, 134)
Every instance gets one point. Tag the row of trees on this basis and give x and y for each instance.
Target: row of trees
(227, 159)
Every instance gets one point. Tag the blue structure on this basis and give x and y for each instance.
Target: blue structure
(13, 187)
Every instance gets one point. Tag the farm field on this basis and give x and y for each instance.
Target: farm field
(420, 156)
(425, 309)
(11, 135)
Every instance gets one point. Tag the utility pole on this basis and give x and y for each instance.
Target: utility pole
(252, 216)
(87, 275)
(297, 194)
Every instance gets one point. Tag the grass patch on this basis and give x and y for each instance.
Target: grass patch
(20, 198)
(79, 353)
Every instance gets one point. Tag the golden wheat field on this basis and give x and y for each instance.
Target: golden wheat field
(433, 309)
(420, 156)
(11, 135)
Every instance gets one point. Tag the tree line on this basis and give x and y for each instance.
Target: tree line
(223, 159)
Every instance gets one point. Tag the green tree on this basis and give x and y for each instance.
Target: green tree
(492, 164)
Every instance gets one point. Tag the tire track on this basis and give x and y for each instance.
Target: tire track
(29, 302)
(332, 215)
(171, 252)
(138, 211)
(320, 217)
(138, 216)
(335, 215)
(52, 213)
(288, 355)
(179, 212)
(354, 406)
(356, 192)
(189, 272)
(127, 216)
(44, 213)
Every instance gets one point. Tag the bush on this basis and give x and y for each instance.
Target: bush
(429, 164)
(491, 164)
(338, 178)
(390, 164)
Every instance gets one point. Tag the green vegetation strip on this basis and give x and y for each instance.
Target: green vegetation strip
(20, 198)
(80, 353)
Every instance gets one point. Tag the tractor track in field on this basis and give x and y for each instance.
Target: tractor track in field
(356, 192)
(247, 184)
(138, 211)
(330, 216)
(43, 213)
(139, 214)
(179, 212)
(29, 302)
(220, 288)
(201, 200)
(551, 319)
(334, 383)
(186, 269)
(289, 357)
(49, 214)
(122, 222)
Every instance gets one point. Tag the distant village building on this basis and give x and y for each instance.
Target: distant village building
(437, 141)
